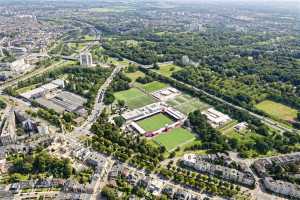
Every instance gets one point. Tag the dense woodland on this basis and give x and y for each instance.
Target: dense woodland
(41, 163)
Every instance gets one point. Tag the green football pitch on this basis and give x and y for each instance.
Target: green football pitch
(155, 122)
(174, 138)
(134, 98)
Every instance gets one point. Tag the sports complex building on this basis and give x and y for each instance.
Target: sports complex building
(154, 119)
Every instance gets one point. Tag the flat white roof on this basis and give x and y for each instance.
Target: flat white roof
(49, 86)
(33, 92)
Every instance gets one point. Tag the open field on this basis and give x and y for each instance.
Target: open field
(186, 104)
(174, 138)
(134, 98)
(89, 37)
(168, 69)
(134, 75)
(154, 86)
(155, 122)
(277, 110)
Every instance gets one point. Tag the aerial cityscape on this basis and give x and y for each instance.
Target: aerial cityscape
(149, 99)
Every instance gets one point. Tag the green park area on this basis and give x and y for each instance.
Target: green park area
(134, 98)
(186, 104)
(134, 75)
(154, 86)
(167, 69)
(277, 110)
(155, 122)
(174, 138)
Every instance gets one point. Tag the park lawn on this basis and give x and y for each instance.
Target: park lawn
(134, 98)
(154, 86)
(167, 69)
(89, 37)
(174, 138)
(135, 75)
(155, 122)
(277, 110)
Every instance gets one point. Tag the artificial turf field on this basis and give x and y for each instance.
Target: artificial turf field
(154, 86)
(277, 110)
(155, 122)
(174, 138)
(134, 98)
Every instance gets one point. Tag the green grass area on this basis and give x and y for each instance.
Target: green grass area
(134, 75)
(77, 46)
(277, 110)
(134, 98)
(174, 138)
(154, 86)
(132, 43)
(155, 122)
(168, 69)
(187, 104)
(89, 37)
(26, 89)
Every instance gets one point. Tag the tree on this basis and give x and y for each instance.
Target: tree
(155, 66)
(121, 103)
(109, 193)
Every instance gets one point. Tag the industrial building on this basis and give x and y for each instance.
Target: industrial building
(51, 96)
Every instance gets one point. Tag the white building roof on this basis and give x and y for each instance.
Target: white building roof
(49, 86)
(30, 94)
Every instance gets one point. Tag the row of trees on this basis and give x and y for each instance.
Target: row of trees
(200, 182)
(121, 82)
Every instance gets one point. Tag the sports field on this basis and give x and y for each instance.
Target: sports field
(154, 86)
(174, 138)
(134, 98)
(134, 75)
(155, 122)
(277, 110)
(186, 104)
(168, 69)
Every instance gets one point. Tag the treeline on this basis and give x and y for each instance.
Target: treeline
(42, 162)
(200, 182)
(85, 81)
(121, 82)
